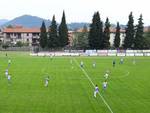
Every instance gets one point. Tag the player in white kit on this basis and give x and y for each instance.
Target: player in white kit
(105, 85)
(9, 78)
(6, 73)
(94, 64)
(51, 56)
(121, 61)
(71, 62)
(106, 76)
(96, 91)
(81, 64)
(9, 62)
(46, 81)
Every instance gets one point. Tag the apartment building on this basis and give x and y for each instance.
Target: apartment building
(19, 33)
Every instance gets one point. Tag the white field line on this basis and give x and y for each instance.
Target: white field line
(85, 73)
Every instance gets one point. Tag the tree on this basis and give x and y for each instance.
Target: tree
(117, 36)
(81, 39)
(63, 32)
(106, 43)
(19, 44)
(53, 40)
(146, 43)
(147, 39)
(43, 36)
(96, 32)
(129, 34)
(139, 36)
(6, 45)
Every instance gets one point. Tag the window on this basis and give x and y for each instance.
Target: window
(34, 34)
(27, 34)
(33, 40)
(27, 40)
(19, 35)
(8, 35)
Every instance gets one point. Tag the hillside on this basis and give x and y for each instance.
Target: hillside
(27, 21)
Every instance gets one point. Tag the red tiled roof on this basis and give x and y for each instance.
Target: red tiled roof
(21, 30)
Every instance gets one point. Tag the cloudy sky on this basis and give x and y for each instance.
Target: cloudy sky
(77, 10)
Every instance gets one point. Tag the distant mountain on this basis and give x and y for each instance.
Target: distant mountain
(75, 26)
(27, 21)
(3, 21)
(34, 21)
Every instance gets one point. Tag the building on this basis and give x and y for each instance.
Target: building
(31, 35)
(1, 37)
(19, 33)
(112, 35)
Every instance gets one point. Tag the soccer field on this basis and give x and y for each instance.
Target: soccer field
(71, 88)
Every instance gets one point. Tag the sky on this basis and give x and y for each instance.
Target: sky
(77, 10)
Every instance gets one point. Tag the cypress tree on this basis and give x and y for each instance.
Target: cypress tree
(53, 41)
(106, 43)
(129, 38)
(117, 36)
(63, 32)
(139, 37)
(96, 32)
(147, 39)
(43, 36)
(92, 32)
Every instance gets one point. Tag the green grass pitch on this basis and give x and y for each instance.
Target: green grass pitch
(70, 89)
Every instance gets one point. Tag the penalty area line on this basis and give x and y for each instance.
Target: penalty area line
(85, 73)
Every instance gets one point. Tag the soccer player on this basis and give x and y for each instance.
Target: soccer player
(94, 64)
(105, 85)
(106, 76)
(71, 61)
(51, 57)
(114, 63)
(9, 62)
(46, 81)
(6, 73)
(9, 78)
(96, 91)
(134, 61)
(81, 64)
(121, 60)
